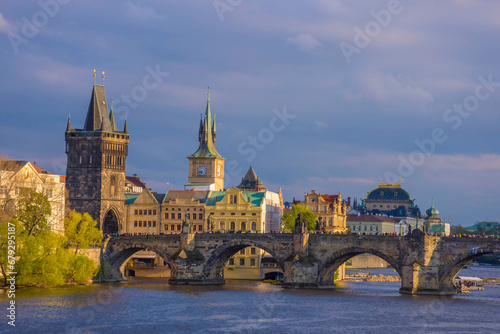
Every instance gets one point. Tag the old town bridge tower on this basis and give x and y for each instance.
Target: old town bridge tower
(96, 155)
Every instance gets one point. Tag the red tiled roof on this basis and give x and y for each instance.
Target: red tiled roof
(62, 178)
(370, 218)
(135, 181)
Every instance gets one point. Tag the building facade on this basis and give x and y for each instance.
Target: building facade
(331, 210)
(16, 176)
(96, 162)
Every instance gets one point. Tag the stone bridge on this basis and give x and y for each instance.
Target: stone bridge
(426, 264)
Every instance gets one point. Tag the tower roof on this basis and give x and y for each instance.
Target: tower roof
(250, 180)
(98, 108)
(207, 137)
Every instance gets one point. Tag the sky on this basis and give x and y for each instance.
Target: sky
(325, 95)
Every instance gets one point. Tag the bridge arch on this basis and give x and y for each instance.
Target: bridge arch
(333, 262)
(450, 270)
(119, 254)
(214, 266)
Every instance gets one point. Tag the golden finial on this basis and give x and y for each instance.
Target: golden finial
(103, 78)
(94, 76)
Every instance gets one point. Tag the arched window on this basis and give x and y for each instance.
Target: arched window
(233, 226)
(222, 226)
(254, 226)
(112, 186)
(243, 226)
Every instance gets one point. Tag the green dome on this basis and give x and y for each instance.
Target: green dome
(432, 211)
(387, 193)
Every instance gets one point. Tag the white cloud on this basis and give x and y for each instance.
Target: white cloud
(385, 87)
(306, 42)
(140, 12)
(5, 26)
(321, 124)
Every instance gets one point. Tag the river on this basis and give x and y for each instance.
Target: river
(151, 306)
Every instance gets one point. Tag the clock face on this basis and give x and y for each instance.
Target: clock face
(218, 170)
(202, 170)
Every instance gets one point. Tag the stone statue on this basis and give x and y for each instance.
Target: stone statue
(298, 224)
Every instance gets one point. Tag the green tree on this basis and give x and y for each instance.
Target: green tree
(288, 219)
(459, 229)
(33, 210)
(81, 231)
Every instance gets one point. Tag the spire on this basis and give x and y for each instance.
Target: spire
(112, 118)
(200, 131)
(125, 128)
(95, 120)
(251, 181)
(214, 129)
(206, 136)
(68, 127)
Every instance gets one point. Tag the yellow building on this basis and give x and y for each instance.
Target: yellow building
(142, 212)
(330, 209)
(371, 224)
(180, 205)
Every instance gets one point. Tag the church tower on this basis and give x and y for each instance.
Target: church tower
(96, 156)
(206, 165)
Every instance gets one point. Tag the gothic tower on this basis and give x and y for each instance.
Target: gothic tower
(206, 165)
(96, 155)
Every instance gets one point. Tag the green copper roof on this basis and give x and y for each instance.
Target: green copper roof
(207, 136)
(255, 198)
(130, 198)
(215, 196)
(432, 211)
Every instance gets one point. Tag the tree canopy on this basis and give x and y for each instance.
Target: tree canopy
(288, 219)
(81, 231)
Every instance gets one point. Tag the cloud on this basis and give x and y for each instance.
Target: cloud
(339, 180)
(321, 124)
(386, 87)
(482, 163)
(306, 42)
(140, 12)
(5, 26)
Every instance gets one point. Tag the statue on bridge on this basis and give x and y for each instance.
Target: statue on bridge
(300, 224)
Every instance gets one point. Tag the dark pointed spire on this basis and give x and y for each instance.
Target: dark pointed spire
(125, 128)
(95, 120)
(251, 181)
(200, 131)
(112, 118)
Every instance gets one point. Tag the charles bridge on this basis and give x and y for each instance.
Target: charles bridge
(426, 264)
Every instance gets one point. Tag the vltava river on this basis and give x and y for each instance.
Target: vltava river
(151, 306)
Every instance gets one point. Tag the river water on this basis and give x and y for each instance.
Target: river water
(151, 306)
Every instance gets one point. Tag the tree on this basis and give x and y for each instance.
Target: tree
(33, 210)
(289, 218)
(81, 231)
(459, 229)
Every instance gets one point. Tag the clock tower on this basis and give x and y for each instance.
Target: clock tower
(206, 165)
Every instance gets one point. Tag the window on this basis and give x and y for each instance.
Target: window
(371, 228)
(252, 262)
(3, 190)
(200, 228)
(254, 214)
(222, 225)
(200, 216)
(149, 224)
(254, 226)
(233, 225)
(232, 213)
(252, 250)
(178, 227)
(242, 262)
(136, 212)
(366, 228)
(179, 216)
(243, 214)
(135, 223)
(243, 226)
(330, 222)
(172, 216)
(140, 212)
(188, 216)
(172, 227)
(150, 212)
(376, 228)
(166, 227)
(140, 223)
(231, 262)
(242, 252)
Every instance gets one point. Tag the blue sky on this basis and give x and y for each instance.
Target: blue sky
(352, 119)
